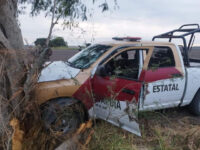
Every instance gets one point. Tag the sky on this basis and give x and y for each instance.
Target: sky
(137, 18)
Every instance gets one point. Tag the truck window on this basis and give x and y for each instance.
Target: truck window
(162, 57)
(88, 56)
(124, 65)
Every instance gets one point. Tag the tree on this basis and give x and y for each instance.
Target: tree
(61, 9)
(10, 30)
(40, 41)
(17, 77)
(57, 42)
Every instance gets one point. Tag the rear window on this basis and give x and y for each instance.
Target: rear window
(162, 57)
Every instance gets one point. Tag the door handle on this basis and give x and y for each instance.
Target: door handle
(128, 91)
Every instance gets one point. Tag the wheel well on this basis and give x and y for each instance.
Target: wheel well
(66, 100)
(195, 95)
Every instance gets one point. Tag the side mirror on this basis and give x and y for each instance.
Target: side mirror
(101, 71)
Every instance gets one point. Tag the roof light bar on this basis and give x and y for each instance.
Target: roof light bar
(132, 39)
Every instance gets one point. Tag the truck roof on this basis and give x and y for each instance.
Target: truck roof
(139, 43)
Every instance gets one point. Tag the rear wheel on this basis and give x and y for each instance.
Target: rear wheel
(195, 104)
(63, 115)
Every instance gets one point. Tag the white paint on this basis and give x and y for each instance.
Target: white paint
(116, 116)
(194, 64)
(58, 70)
(193, 84)
(165, 99)
(170, 99)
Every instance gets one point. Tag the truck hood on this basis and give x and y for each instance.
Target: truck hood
(58, 70)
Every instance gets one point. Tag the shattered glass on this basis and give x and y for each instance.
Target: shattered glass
(88, 56)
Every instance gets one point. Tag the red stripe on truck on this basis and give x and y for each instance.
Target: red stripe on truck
(159, 74)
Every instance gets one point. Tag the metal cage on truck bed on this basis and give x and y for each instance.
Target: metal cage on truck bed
(185, 32)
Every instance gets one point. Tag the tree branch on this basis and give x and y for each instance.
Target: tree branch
(58, 17)
(52, 24)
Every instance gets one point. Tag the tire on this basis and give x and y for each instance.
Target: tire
(63, 115)
(195, 104)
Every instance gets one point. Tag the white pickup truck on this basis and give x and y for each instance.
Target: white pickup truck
(114, 80)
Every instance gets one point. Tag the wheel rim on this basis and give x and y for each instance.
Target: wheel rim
(63, 118)
(65, 123)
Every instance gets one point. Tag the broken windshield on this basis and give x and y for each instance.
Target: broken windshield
(88, 56)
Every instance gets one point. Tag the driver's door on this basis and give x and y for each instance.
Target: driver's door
(117, 89)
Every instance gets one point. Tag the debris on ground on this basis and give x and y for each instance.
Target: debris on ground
(80, 139)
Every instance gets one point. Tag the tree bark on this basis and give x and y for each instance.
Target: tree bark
(12, 69)
(17, 79)
(9, 25)
(52, 24)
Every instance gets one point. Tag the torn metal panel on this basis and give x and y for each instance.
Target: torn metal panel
(120, 113)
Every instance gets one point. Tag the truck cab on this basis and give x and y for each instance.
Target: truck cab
(115, 80)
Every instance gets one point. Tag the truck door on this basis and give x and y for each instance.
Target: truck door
(117, 88)
(164, 79)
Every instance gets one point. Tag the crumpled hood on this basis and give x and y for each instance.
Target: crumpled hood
(58, 70)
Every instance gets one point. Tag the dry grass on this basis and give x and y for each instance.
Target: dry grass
(174, 129)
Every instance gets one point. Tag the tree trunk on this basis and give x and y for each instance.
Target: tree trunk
(9, 28)
(14, 75)
(17, 80)
(12, 68)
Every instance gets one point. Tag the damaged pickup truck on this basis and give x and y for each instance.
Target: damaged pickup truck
(115, 80)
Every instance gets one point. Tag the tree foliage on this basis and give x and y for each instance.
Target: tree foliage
(69, 9)
(40, 41)
(56, 42)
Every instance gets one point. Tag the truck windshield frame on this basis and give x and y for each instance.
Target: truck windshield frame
(85, 58)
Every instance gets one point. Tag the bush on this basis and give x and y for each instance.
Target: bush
(56, 42)
(40, 41)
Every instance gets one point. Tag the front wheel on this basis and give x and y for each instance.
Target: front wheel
(195, 104)
(63, 115)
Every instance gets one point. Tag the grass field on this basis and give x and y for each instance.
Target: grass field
(173, 129)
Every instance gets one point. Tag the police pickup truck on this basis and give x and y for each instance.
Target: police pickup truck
(115, 80)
